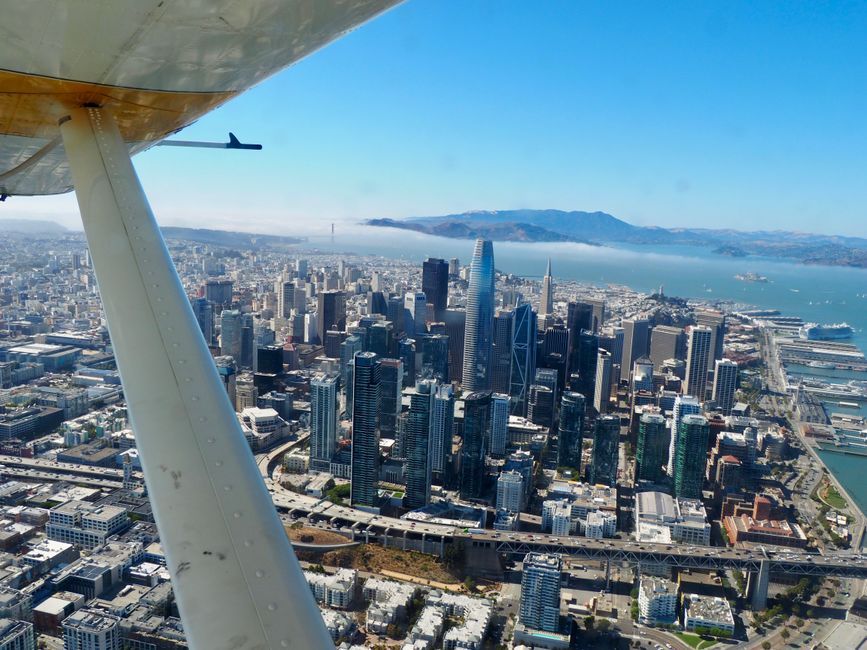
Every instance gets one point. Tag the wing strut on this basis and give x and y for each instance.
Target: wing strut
(236, 580)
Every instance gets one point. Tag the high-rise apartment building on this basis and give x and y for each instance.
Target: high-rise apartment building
(696, 362)
(540, 592)
(510, 491)
(91, 629)
(725, 381)
(690, 456)
(606, 447)
(499, 424)
(479, 319)
(419, 464)
(477, 422)
(365, 430)
(442, 427)
(323, 421)
(683, 405)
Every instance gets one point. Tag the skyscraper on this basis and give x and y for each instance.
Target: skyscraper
(546, 302)
(666, 343)
(435, 284)
(434, 357)
(390, 387)
(636, 338)
(499, 424)
(407, 353)
(501, 352)
(585, 353)
(523, 366)
(480, 319)
(418, 444)
(456, 321)
(696, 362)
(652, 451)
(246, 341)
(570, 432)
(204, 312)
(683, 405)
(442, 427)
(598, 305)
(348, 348)
(606, 447)
(602, 389)
(690, 456)
(540, 592)
(716, 322)
(365, 431)
(477, 423)
(414, 313)
(285, 290)
(540, 406)
(230, 334)
(323, 421)
(330, 313)
(725, 380)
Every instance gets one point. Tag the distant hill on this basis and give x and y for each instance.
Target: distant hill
(602, 228)
(32, 227)
(228, 238)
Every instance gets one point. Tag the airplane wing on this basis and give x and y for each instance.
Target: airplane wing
(83, 85)
(158, 65)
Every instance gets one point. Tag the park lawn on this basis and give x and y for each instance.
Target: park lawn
(694, 640)
(833, 498)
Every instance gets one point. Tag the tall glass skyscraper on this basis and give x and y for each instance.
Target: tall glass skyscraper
(365, 431)
(652, 453)
(418, 445)
(606, 447)
(390, 387)
(477, 423)
(570, 439)
(523, 366)
(691, 456)
(480, 319)
(435, 284)
(442, 426)
(323, 421)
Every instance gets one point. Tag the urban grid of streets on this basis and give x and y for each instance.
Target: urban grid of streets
(67, 448)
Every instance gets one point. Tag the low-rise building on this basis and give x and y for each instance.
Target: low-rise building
(388, 600)
(334, 590)
(84, 524)
(707, 613)
(686, 519)
(16, 635)
(89, 629)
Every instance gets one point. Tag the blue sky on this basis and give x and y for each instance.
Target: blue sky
(737, 114)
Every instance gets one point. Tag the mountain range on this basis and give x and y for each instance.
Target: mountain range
(601, 228)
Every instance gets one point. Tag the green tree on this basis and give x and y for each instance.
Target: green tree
(785, 634)
(766, 645)
(604, 625)
(589, 623)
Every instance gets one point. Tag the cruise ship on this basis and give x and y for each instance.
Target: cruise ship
(816, 332)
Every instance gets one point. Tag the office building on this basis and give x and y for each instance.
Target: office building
(690, 456)
(602, 389)
(725, 381)
(390, 386)
(350, 346)
(330, 313)
(585, 354)
(442, 427)
(365, 430)
(666, 343)
(230, 334)
(598, 305)
(636, 340)
(523, 365)
(606, 447)
(91, 629)
(501, 351)
(218, 292)
(479, 319)
(84, 524)
(323, 421)
(579, 316)
(683, 405)
(434, 357)
(435, 285)
(570, 432)
(414, 313)
(540, 407)
(657, 601)
(204, 313)
(477, 422)
(511, 491)
(540, 592)
(455, 322)
(651, 454)
(285, 290)
(696, 362)
(418, 444)
(662, 519)
(716, 322)
(499, 424)
(546, 301)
